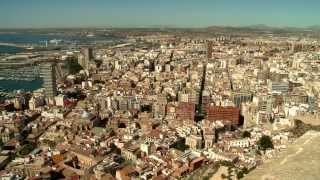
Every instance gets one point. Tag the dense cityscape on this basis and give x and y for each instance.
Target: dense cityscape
(159, 90)
(164, 104)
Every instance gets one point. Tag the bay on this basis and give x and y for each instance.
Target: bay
(9, 86)
(10, 50)
(30, 38)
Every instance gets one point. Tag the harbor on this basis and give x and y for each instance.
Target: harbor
(4, 94)
(9, 87)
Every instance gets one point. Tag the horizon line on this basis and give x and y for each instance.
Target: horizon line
(162, 26)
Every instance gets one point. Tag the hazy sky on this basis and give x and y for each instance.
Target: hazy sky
(137, 13)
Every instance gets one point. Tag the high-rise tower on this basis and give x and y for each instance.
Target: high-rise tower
(48, 75)
(209, 49)
(85, 57)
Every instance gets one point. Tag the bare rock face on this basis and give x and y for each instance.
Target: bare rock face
(300, 161)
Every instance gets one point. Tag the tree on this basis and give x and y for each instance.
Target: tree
(240, 175)
(226, 163)
(245, 170)
(180, 145)
(246, 134)
(26, 149)
(265, 143)
(242, 172)
(271, 120)
(52, 144)
(73, 66)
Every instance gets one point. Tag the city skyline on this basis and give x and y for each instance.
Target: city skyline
(142, 13)
(161, 90)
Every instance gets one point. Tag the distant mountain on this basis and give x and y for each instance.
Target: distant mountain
(258, 27)
(315, 27)
(265, 28)
(261, 26)
(252, 28)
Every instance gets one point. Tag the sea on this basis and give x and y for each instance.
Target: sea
(11, 86)
(10, 50)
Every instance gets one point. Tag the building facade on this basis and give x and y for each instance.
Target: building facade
(48, 75)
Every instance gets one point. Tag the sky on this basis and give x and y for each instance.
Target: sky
(154, 13)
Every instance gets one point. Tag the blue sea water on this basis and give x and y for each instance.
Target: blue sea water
(26, 38)
(9, 86)
(30, 38)
(10, 50)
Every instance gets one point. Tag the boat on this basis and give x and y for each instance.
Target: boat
(90, 35)
(55, 41)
